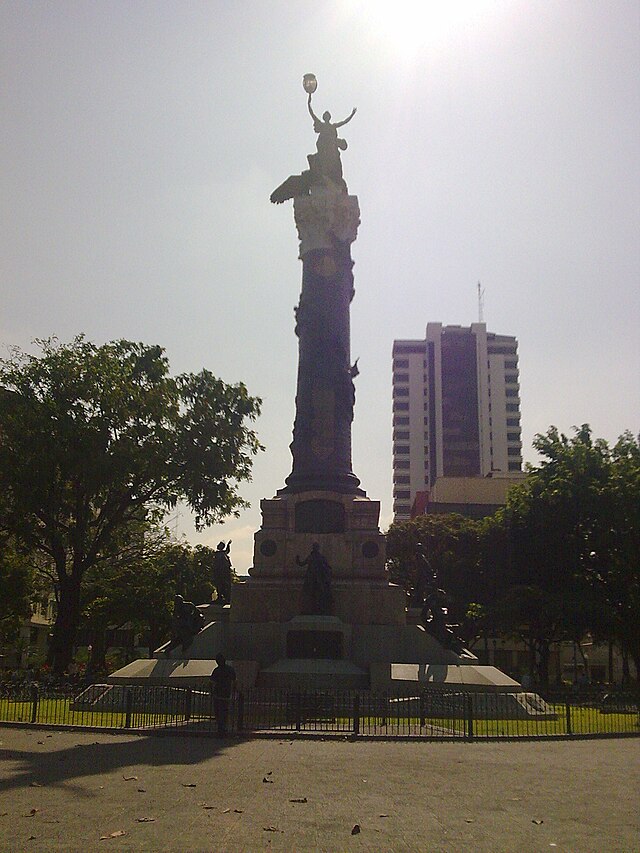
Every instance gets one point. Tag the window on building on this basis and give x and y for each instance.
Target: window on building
(400, 406)
(426, 421)
(513, 451)
(510, 365)
(409, 349)
(426, 407)
(402, 479)
(513, 436)
(401, 450)
(513, 407)
(402, 391)
(402, 495)
(501, 350)
(511, 377)
(400, 377)
(400, 363)
(401, 464)
(401, 509)
(509, 392)
(514, 466)
(513, 421)
(402, 435)
(401, 421)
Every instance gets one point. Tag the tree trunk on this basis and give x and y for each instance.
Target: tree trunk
(66, 625)
(543, 665)
(98, 662)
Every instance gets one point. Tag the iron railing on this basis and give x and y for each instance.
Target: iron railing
(434, 714)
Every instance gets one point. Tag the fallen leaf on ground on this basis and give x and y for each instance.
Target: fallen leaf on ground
(117, 834)
(130, 778)
(146, 819)
(270, 773)
(537, 822)
(271, 829)
(298, 800)
(32, 812)
(383, 815)
(35, 785)
(142, 790)
(49, 735)
(270, 781)
(41, 741)
(188, 784)
(469, 820)
(226, 811)
(356, 829)
(238, 811)
(32, 838)
(3, 814)
(205, 806)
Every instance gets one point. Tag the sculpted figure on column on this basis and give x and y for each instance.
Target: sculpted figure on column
(325, 167)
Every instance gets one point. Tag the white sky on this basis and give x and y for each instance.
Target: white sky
(494, 141)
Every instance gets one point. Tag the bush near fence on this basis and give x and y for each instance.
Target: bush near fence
(430, 713)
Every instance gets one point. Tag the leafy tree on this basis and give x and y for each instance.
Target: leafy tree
(137, 589)
(573, 530)
(93, 436)
(16, 583)
(453, 545)
(612, 565)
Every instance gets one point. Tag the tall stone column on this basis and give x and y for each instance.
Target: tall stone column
(327, 221)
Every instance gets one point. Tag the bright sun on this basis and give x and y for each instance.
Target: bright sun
(407, 26)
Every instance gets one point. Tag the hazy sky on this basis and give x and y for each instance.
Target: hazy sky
(494, 141)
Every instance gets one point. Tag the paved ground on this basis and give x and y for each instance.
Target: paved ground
(67, 790)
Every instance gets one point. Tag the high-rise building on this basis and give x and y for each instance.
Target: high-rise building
(456, 409)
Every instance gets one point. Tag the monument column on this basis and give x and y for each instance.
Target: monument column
(327, 221)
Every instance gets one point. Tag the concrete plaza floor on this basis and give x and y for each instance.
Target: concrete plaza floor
(70, 790)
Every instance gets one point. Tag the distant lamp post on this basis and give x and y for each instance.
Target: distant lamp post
(309, 83)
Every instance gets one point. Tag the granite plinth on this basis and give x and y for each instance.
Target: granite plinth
(345, 528)
(356, 603)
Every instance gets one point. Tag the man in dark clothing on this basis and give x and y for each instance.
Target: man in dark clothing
(223, 682)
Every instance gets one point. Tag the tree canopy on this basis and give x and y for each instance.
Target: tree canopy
(561, 559)
(92, 437)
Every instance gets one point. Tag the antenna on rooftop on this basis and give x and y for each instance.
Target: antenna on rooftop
(480, 303)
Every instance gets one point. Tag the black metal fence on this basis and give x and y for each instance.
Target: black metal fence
(426, 713)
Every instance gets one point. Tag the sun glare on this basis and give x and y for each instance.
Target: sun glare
(406, 27)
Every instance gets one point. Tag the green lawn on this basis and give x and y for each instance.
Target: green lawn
(58, 712)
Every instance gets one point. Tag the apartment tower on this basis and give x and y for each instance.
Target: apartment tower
(456, 409)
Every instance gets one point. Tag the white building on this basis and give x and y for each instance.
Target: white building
(456, 409)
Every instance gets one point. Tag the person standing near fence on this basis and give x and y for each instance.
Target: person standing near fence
(223, 682)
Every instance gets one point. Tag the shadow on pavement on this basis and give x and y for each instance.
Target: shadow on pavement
(50, 767)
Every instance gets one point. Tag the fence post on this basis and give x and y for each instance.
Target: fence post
(356, 714)
(423, 713)
(469, 715)
(298, 711)
(385, 700)
(240, 711)
(34, 702)
(187, 704)
(567, 709)
(128, 707)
